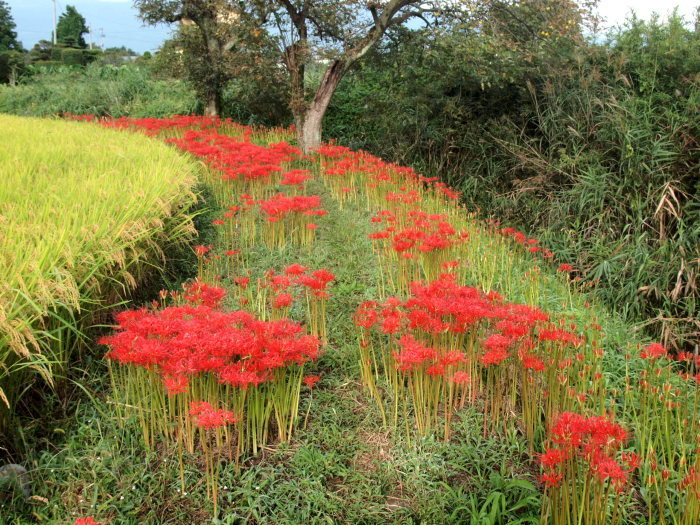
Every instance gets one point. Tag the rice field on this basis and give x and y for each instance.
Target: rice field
(84, 213)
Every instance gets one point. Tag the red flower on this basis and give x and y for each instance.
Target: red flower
(242, 282)
(201, 250)
(654, 351)
(551, 479)
(553, 457)
(311, 381)
(461, 378)
(282, 300)
(295, 269)
(206, 416)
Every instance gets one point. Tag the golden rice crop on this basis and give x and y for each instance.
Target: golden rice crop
(84, 212)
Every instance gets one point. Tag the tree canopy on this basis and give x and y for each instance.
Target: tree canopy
(70, 28)
(331, 37)
(8, 36)
(306, 31)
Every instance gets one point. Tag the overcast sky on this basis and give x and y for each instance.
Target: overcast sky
(117, 20)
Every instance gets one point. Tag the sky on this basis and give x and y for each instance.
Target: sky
(117, 19)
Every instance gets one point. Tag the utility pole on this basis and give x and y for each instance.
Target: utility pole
(55, 37)
(102, 38)
(90, 33)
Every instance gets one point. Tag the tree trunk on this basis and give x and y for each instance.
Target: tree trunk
(212, 104)
(211, 91)
(310, 132)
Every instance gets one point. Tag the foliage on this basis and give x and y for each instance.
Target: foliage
(253, 96)
(12, 61)
(215, 34)
(77, 257)
(54, 88)
(72, 57)
(116, 56)
(41, 51)
(591, 145)
(12, 66)
(218, 39)
(8, 35)
(70, 28)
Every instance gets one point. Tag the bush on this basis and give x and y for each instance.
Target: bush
(591, 146)
(72, 57)
(12, 66)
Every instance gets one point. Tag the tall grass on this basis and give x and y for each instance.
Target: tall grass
(99, 90)
(84, 215)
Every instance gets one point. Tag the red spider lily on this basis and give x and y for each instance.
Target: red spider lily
(295, 178)
(205, 416)
(311, 381)
(282, 205)
(199, 293)
(202, 250)
(282, 300)
(585, 447)
(553, 457)
(182, 342)
(654, 351)
(461, 378)
(295, 269)
(551, 479)
(242, 281)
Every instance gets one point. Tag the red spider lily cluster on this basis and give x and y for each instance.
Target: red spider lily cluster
(178, 353)
(168, 359)
(537, 368)
(531, 245)
(199, 293)
(589, 448)
(410, 236)
(274, 294)
(206, 416)
(157, 126)
(183, 342)
(235, 158)
(290, 218)
(295, 179)
(445, 331)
